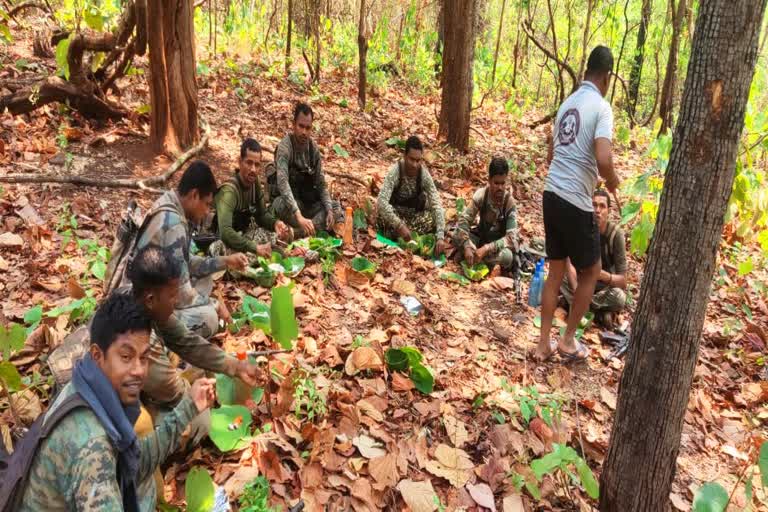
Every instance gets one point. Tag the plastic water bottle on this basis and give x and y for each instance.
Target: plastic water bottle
(537, 284)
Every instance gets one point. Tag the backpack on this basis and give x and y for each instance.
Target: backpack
(131, 227)
(419, 201)
(303, 187)
(15, 467)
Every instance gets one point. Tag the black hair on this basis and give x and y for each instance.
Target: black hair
(152, 267)
(198, 176)
(249, 144)
(302, 108)
(498, 167)
(118, 314)
(413, 142)
(600, 61)
(601, 192)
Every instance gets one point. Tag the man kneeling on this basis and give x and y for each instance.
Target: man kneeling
(610, 296)
(92, 459)
(494, 239)
(408, 202)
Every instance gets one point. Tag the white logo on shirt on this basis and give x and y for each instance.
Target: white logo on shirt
(569, 127)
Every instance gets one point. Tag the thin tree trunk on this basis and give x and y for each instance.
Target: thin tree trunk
(458, 54)
(637, 64)
(668, 89)
(585, 39)
(316, 22)
(655, 386)
(516, 63)
(173, 91)
(617, 67)
(288, 37)
(498, 42)
(362, 48)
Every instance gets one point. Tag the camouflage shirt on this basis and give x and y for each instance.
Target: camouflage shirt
(293, 162)
(408, 188)
(75, 468)
(233, 198)
(494, 219)
(170, 231)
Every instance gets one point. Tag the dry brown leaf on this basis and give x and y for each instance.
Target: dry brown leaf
(363, 358)
(401, 383)
(384, 471)
(367, 408)
(330, 355)
(419, 496)
(483, 495)
(27, 405)
(609, 397)
(369, 447)
(452, 464)
(542, 430)
(235, 483)
(270, 466)
(361, 489)
(311, 476)
(456, 431)
(74, 289)
(11, 240)
(513, 503)
(403, 287)
(5, 434)
(679, 502)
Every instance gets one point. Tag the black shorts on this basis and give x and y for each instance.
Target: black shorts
(570, 232)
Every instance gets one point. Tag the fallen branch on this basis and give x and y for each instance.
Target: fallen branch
(562, 64)
(543, 120)
(56, 89)
(87, 181)
(336, 174)
(31, 4)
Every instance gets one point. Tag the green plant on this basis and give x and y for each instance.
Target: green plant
(548, 406)
(712, 497)
(66, 224)
(560, 463)
(199, 490)
(255, 496)
(475, 272)
(12, 339)
(364, 266)
(359, 341)
(97, 257)
(309, 403)
(410, 359)
(278, 319)
(423, 245)
(230, 427)
(454, 277)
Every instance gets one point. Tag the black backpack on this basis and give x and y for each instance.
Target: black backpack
(14, 467)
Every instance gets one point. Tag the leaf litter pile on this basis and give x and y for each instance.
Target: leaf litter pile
(372, 407)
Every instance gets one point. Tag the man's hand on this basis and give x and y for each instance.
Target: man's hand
(297, 251)
(605, 277)
(264, 250)
(329, 219)
(403, 232)
(612, 184)
(236, 261)
(483, 252)
(306, 224)
(249, 373)
(203, 393)
(441, 247)
(469, 255)
(223, 312)
(283, 231)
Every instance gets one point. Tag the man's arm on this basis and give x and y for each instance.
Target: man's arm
(509, 240)
(322, 187)
(604, 148)
(434, 200)
(93, 476)
(467, 218)
(282, 160)
(385, 211)
(226, 201)
(158, 445)
(195, 349)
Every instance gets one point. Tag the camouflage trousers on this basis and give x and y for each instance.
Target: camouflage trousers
(254, 232)
(607, 299)
(315, 211)
(418, 222)
(504, 258)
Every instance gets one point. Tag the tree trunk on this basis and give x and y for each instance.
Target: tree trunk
(440, 43)
(316, 18)
(362, 48)
(617, 66)
(585, 39)
(498, 42)
(654, 388)
(637, 64)
(288, 37)
(668, 89)
(172, 86)
(458, 55)
(516, 63)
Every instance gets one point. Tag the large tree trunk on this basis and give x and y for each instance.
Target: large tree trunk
(653, 393)
(458, 55)
(172, 86)
(668, 89)
(637, 64)
(362, 48)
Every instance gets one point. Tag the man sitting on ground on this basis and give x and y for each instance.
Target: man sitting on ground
(408, 202)
(494, 239)
(92, 459)
(170, 229)
(610, 296)
(297, 185)
(243, 221)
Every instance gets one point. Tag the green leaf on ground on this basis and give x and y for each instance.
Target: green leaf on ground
(199, 490)
(62, 49)
(587, 479)
(359, 220)
(475, 272)
(340, 151)
(229, 425)
(422, 378)
(762, 463)
(454, 277)
(10, 375)
(710, 497)
(363, 265)
(746, 266)
(396, 359)
(283, 317)
(293, 265)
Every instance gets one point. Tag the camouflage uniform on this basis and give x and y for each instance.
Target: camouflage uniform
(297, 183)
(496, 227)
(75, 468)
(242, 218)
(614, 260)
(397, 204)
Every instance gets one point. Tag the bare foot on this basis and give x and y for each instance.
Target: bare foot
(549, 350)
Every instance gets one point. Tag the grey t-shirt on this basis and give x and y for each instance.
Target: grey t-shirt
(583, 117)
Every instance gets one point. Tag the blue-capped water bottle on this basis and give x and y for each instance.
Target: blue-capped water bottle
(534, 290)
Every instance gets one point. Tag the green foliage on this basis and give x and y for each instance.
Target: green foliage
(359, 219)
(548, 406)
(340, 151)
(410, 358)
(454, 277)
(283, 317)
(710, 497)
(423, 245)
(363, 265)
(255, 496)
(253, 312)
(62, 48)
(308, 402)
(97, 256)
(229, 427)
(12, 339)
(199, 490)
(9, 376)
(475, 272)
(562, 458)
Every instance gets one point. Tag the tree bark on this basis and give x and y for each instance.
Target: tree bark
(498, 42)
(288, 39)
(458, 54)
(637, 64)
(655, 386)
(173, 90)
(668, 89)
(362, 48)
(585, 38)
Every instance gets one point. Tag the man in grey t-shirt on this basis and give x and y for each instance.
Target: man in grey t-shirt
(580, 148)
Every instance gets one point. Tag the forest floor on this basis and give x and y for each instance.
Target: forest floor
(476, 338)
